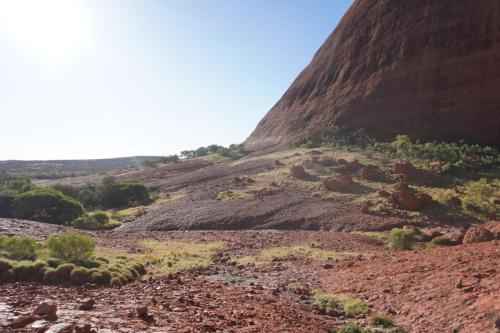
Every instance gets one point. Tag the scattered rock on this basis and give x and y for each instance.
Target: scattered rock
(297, 171)
(341, 183)
(24, 320)
(327, 266)
(478, 234)
(348, 167)
(370, 172)
(383, 194)
(403, 168)
(453, 200)
(47, 307)
(86, 304)
(409, 199)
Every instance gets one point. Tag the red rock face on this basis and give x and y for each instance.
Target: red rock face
(426, 68)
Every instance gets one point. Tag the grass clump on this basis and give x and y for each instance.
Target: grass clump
(71, 246)
(382, 321)
(297, 251)
(338, 305)
(401, 239)
(19, 248)
(479, 198)
(79, 276)
(352, 328)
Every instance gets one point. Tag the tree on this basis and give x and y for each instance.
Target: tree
(46, 205)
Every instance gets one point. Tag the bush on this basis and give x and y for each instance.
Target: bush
(29, 271)
(6, 198)
(401, 239)
(63, 272)
(80, 275)
(51, 276)
(354, 307)
(87, 263)
(479, 196)
(91, 221)
(382, 321)
(46, 205)
(116, 282)
(54, 262)
(102, 278)
(19, 248)
(351, 328)
(71, 246)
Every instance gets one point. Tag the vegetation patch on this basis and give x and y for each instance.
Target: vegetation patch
(340, 305)
(234, 195)
(402, 239)
(290, 252)
(170, 257)
(64, 259)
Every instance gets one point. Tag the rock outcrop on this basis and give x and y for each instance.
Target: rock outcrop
(429, 69)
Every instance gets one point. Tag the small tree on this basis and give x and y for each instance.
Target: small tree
(46, 205)
(71, 246)
(19, 248)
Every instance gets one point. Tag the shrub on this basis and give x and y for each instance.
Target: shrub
(100, 277)
(382, 321)
(50, 276)
(46, 205)
(19, 248)
(139, 268)
(351, 328)
(71, 246)
(87, 263)
(79, 276)
(478, 197)
(354, 307)
(54, 262)
(29, 271)
(6, 198)
(128, 193)
(90, 221)
(401, 239)
(116, 282)
(63, 272)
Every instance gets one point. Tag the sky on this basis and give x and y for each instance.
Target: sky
(96, 79)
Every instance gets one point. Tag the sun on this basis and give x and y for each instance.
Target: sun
(48, 29)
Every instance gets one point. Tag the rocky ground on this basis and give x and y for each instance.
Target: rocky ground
(444, 289)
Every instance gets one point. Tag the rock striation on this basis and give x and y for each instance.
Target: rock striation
(426, 68)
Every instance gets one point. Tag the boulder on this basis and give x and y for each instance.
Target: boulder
(338, 184)
(403, 168)
(409, 199)
(86, 304)
(24, 320)
(370, 172)
(478, 234)
(46, 307)
(297, 171)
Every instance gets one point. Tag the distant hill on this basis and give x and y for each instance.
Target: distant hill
(428, 69)
(67, 167)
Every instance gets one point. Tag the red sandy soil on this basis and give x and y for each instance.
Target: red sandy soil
(419, 289)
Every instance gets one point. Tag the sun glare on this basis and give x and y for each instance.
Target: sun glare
(51, 30)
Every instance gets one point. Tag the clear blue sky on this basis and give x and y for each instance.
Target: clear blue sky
(95, 79)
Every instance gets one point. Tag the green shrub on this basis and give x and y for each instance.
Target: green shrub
(101, 278)
(354, 307)
(351, 328)
(340, 305)
(139, 268)
(401, 239)
(479, 196)
(63, 272)
(123, 279)
(46, 205)
(29, 271)
(382, 321)
(6, 198)
(79, 276)
(87, 263)
(116, 282)
(54, 262)
(130, 193)
(19, 248)
(51, 276)
(71, 246)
